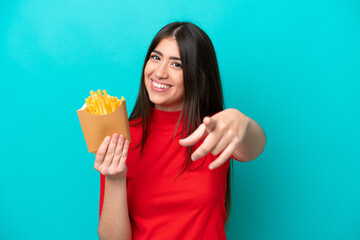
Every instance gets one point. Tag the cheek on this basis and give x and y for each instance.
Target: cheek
(146, 77)
(181, 82)
(147, 70)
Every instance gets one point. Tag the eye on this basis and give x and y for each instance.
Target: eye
(155, 57)
(178, 65)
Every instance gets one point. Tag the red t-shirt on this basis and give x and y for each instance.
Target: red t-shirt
(162, 206)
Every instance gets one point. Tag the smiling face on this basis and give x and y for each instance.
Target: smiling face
(163, 76)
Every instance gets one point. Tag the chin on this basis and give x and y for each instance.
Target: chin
(156, 101)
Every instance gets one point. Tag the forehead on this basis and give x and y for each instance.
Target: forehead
(168, 47)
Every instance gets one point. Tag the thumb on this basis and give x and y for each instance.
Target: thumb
(209, 123)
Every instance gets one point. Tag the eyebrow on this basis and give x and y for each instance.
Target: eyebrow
(173, 58)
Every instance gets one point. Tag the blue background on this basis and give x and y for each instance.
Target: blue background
(293, 66)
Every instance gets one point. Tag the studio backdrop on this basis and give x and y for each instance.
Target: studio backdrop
(293, 66)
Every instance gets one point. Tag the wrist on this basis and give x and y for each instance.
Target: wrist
(115, 179)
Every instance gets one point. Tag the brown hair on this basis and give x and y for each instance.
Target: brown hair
(203, 91)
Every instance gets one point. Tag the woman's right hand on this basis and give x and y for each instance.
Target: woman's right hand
(110, 159)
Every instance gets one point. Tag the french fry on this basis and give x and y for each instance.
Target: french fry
(96, 128)
(99, 93)
(101, 103)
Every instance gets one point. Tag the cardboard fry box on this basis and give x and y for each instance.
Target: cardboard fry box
(96, 127)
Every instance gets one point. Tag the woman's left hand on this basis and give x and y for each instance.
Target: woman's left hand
(224, 133)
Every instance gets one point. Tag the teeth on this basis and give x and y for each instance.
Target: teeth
(160, 85)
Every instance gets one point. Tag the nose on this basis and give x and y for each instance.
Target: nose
(161, 71)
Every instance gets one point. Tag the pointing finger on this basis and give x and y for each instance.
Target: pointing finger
(224, 156)
(209, 124)
(207, 146)
(193, 138)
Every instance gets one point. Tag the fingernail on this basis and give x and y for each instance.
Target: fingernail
(211, 167)
(194, 158)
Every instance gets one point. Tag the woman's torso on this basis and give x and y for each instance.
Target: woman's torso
(161, 206)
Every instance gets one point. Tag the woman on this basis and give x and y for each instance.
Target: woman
(174, 183)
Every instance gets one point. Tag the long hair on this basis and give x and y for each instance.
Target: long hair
(203, 92)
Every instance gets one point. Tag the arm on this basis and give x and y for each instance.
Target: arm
(227, 133)
(111, 161)
(114, 221)
(253, 144)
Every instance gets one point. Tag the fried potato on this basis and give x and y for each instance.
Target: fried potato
(101, 104)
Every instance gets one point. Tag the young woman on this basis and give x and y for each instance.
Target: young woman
(174, 182)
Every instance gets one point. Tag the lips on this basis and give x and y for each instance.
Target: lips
(159, 87)
(159, 82)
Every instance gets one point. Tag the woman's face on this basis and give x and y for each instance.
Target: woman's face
(164, 76)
